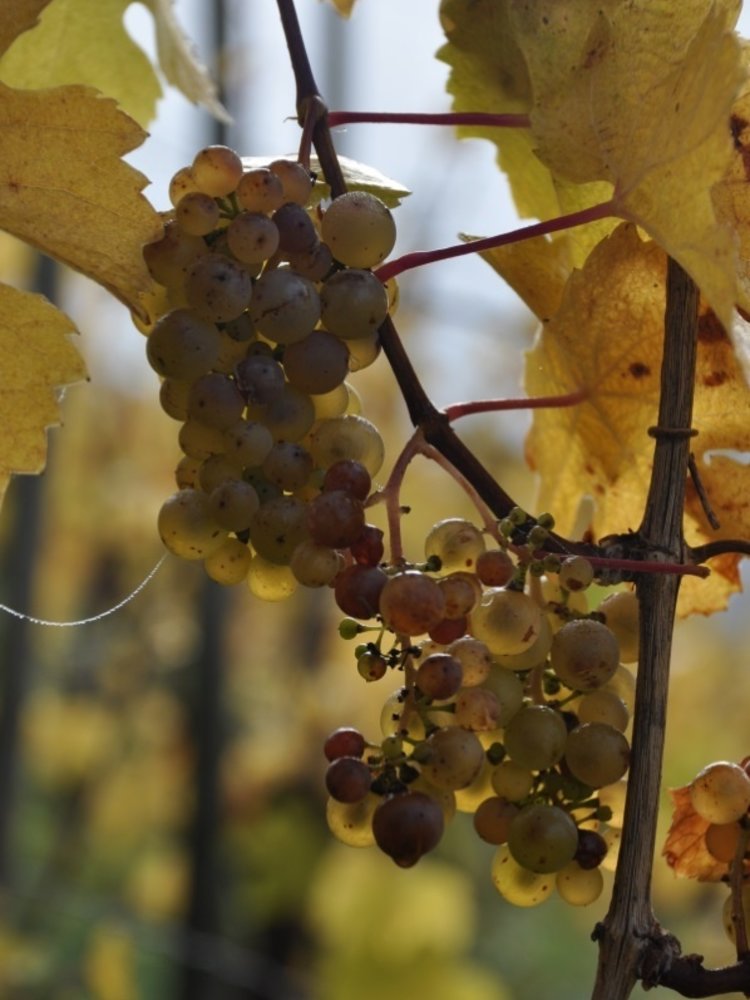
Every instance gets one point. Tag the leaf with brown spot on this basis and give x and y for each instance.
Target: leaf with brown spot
(685, 846)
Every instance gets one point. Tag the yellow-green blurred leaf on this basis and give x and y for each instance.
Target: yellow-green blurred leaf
(85, 42)
(655, 121)
(65, 190)
(179, 62)
(37, 359)
(18, 17)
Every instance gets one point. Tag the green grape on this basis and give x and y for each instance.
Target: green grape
(392, 719)
(475, 659)
(603, 706)
(461, 591)
(353, 303)
(493, 818)
(197, 214)
(215, 400)
(351, 437)
(231, 352)
(277, 528)
(252, 237)
(215, 470)
(363, 352)
(508, 691)
(288, 465)
(297, 232)
(535, 737)
(439, 676)
(233, 504)
(269, 581)
(259, 190)
(511, 781)
(230, 563)
(622, 683)
(456, 543)
(290, 416)
(508, 621)
(187, 473)
(543, 838)
(217, 288)
(182, 346)
(471, 796)
(316, 364)
(613, 797)
(516, 884)
(316, 264)
(296, 181)
(315, 565)
(186, 525)
(169, 259)
(173, 397)
(248, 443)
(216, 170)
(621, 615)
(576, 573)
(331, 404)
(182, 183)
(534, 656)
(454, 757)
(598, 754)
(285, 307)
(351, 822)
(720, 793)
(201, 441)
(495, 568)
(260, 379)
(477, 709)
(444, 797)
(359, 229)
(579, 886)
(584, 654)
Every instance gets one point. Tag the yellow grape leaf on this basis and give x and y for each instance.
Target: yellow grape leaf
(488, 73)
(607, 338)
(179, 63)
(38, 358)
(85, 42)
(65, 190)
(537, 271)
(639, 94)
(685, 847)
(18, 17)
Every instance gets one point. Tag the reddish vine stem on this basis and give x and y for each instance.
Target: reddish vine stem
(456, 410)
(455, 118)
(418, 258)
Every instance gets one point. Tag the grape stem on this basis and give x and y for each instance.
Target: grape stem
(457, 410)
(456, 118)
(736, 881)
(418, 258)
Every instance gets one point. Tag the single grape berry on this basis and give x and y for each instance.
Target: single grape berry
(407, 826)
(348, 779)
(344, 742)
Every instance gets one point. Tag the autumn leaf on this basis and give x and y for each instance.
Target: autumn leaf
(85, 42)
(685, 845)
(488, 73)
(657, 82)
(17, 18)
(38, 358)
(606, 338)
(65, 190)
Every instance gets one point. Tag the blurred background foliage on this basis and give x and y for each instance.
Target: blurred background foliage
(162, 812)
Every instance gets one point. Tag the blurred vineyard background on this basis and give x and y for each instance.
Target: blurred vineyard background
(162, 812)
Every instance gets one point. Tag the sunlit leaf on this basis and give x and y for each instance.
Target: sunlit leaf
(65, 190)
(179, 62)
(489, 73)
(685, 847)
(85, 42)
(38, 358)
(655, 121)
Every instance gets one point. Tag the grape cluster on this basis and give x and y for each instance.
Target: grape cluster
(267, 305)
(512, 705)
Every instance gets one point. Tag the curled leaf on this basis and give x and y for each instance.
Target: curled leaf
(685, 846)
